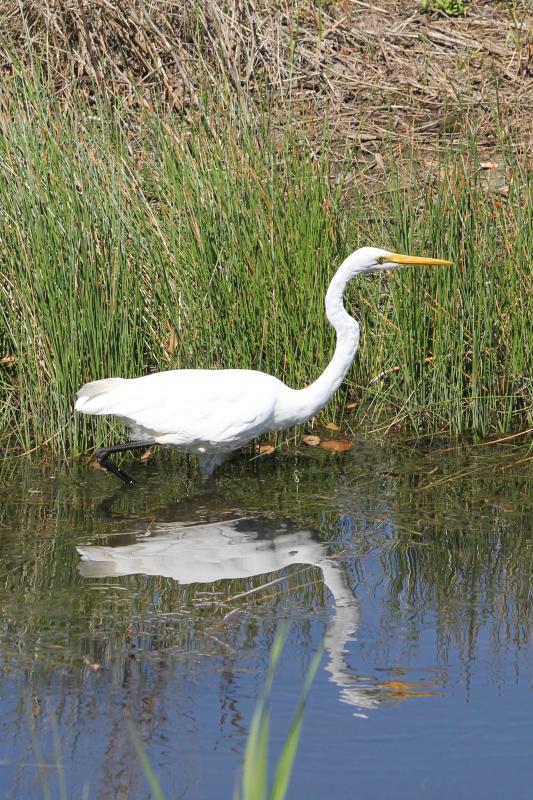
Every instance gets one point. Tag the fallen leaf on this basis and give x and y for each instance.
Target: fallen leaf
(332, 427)
(415, 693)
(350, 406)
(147, 455)
(264, 448)
(400, 685)
(402, 689)
(172, 341)
(8, 360)
(311, 440)
(96, 465)
(488, 165)
(336, 445)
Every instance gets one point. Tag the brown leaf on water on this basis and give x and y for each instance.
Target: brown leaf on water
(96, 465)
(402, 689)
(264, 447)
(413, 693)
(336, 445)
(332, 427)
(147, 455)
(312, 441)
(401, 685)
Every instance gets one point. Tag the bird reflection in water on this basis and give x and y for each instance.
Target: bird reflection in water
(236, 548)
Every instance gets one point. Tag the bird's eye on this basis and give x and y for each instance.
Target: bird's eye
(381, 259)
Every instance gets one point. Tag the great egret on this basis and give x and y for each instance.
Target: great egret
(214, 412)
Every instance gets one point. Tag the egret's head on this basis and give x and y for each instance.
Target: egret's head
(372, 259)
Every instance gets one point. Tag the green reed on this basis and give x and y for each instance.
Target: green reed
(255, 782)
(132, 241)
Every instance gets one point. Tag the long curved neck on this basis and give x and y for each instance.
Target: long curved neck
(314, 397)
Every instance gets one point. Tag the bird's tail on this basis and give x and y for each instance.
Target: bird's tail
(93, 398)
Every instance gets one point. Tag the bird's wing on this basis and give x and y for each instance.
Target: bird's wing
(186, 406)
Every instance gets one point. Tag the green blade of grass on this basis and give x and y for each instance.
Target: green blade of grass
(285, 763)
(255, 770)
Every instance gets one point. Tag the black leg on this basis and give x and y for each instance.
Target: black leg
(103, 453)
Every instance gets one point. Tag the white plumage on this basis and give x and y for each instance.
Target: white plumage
(207, 412)
(214, 412)
(187, 407)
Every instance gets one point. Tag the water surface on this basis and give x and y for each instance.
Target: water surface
(157, 607)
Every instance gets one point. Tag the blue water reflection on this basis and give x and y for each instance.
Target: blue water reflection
(161, 612)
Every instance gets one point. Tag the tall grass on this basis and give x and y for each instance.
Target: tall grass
(131, 242)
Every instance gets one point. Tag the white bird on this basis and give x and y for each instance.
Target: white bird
(214, 412)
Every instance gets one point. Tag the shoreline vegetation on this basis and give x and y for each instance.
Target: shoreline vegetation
(140, 234)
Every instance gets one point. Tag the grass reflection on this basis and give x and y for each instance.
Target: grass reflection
(426, 541)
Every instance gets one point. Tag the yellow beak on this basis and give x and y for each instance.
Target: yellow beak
(398, 258)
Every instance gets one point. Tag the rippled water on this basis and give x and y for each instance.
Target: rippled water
(158, 606)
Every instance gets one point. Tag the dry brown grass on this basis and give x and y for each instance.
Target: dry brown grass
(374, 70)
